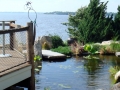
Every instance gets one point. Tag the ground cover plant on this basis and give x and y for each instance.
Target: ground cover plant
(64, 50)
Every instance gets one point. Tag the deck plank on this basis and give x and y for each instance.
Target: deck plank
(13, 63)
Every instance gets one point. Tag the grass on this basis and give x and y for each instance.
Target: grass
(64, 50)
(114, 70)
(115, 47)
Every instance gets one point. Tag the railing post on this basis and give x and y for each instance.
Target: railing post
(30, 54)
(12, 38)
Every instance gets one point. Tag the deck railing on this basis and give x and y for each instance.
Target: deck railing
(16, 45)
(16, 48)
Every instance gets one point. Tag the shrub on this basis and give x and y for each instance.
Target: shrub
(106, 49)
(64, 50)
(114, 70)
(96, 47)
(56, 41)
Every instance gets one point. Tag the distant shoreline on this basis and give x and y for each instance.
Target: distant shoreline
(61, 13)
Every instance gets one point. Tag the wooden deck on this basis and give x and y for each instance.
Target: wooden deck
(13, 63)
(16, 69)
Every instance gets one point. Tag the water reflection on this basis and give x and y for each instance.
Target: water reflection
(77, 74)
(92, 65)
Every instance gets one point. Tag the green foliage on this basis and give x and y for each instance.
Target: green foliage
(90, 48)
(90, 24)
(37, 58)
(96, 47)
(117, 24)
(115, 47)
(56, 41)
(64, 50)
(103, 50)
(114, 70)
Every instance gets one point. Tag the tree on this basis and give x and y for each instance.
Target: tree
(117, 23)
(90, 24)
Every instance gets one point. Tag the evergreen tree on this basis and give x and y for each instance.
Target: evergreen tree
(117, 23)
(90, 24)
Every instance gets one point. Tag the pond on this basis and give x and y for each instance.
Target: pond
(76, 74)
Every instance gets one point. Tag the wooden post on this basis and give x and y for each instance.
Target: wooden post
(30, 54)
(12, 38)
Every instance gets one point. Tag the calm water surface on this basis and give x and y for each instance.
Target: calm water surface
(46, 24)
(73, 74)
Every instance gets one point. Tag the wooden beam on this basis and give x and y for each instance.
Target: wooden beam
(13, 30)
(7, 23)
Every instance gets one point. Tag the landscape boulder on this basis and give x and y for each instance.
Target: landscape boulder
(47, 40)
(116, 86)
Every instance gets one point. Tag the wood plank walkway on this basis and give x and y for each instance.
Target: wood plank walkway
(13, 63)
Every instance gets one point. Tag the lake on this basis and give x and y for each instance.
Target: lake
(73, 74)
(46, 24)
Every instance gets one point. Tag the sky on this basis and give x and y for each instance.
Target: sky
(52, 5)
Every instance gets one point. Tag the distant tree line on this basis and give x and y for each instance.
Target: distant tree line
(94, 24)
(61, 13)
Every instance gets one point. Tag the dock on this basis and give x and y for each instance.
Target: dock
(16, 68)
(48, 54)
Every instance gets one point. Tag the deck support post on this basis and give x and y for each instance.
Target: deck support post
(30, 54)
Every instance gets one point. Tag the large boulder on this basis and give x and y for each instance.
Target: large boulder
(109, 42)
(106, 42)
(117, 76)
(117, 79)
(47, 40)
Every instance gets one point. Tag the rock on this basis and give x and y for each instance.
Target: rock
(71, 41)
(117, 76)
(46, 39)
(106, 42)
(116, 86)
(38, 48)
(117, 54)
(117, 79)
(109, 42)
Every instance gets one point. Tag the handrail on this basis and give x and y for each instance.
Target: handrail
(7, 23)
(13, 25)
(14, 30)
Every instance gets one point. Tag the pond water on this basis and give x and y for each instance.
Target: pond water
(76, 74)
